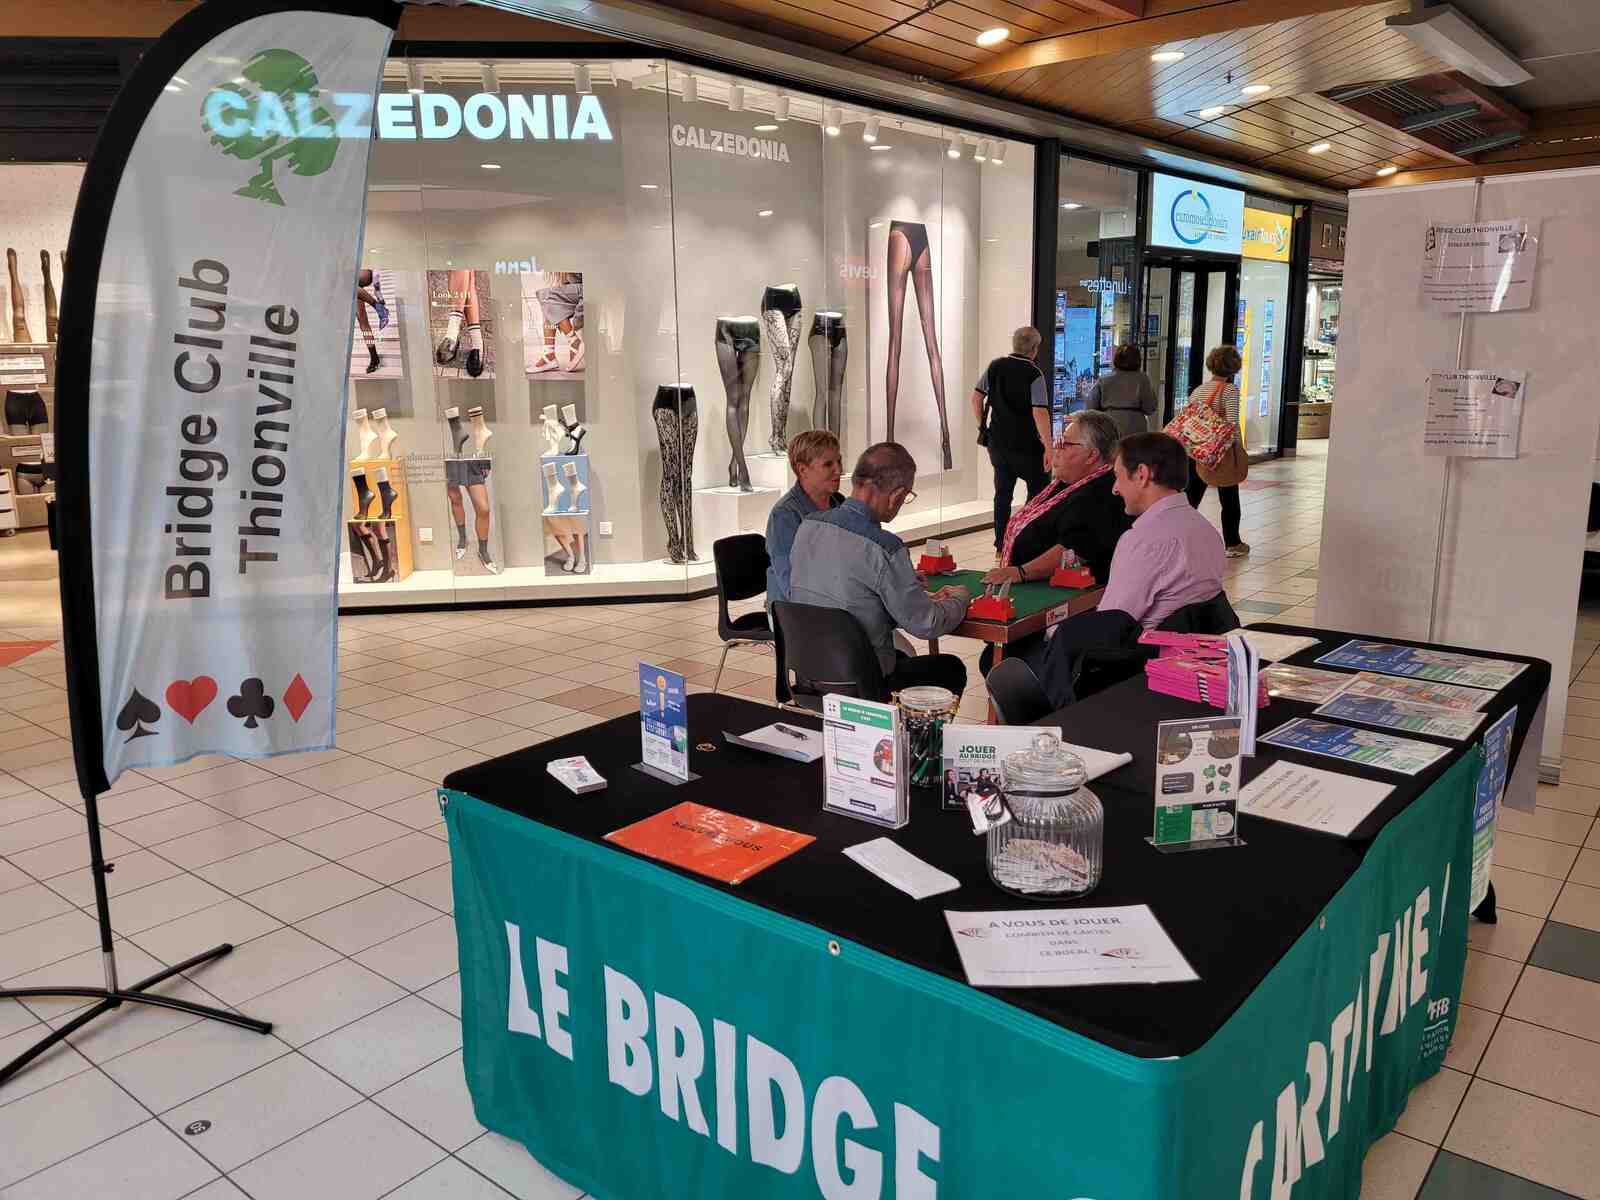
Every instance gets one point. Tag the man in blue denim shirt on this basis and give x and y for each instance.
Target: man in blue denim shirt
(846, 559)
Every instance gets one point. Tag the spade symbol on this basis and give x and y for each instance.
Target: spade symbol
(138, 712)
(251, 703)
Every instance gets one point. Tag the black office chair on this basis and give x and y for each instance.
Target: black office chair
(1016, 694)
(741, 563)
(1099, 669)
(826, 650)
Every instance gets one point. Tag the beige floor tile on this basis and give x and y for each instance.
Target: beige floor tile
(1578, 905)
(1395, 1168)
(1534, 854)
(1511, 937)
(1528, 1136)
(1545, 1062)
(1489, 980)
(1552, 824)
(1570, 797)
(1587, 868)
(1474, 1026)
(1524, 892)
(1432, 1105)
(1557, 1001)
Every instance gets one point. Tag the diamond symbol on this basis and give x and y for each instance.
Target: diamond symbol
(298, 698)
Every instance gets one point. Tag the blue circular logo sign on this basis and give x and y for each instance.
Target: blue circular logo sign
(1192, 220)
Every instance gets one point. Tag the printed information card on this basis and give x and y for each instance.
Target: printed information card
(1197, 781)
(1436, 665)
(1311, 798)
(1402, 714)
(1066, 947)
(864, 748)
(1405, 756)
(663, 722)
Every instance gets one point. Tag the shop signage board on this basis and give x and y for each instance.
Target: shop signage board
(202, 386)
(1474, 414)
(1481, 266)
(1268, 236)
(1328, 229)
(1188, 215)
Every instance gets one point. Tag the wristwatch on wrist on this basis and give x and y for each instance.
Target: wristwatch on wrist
(1022, 574)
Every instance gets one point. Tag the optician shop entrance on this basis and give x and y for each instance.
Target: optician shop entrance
(1191, 304)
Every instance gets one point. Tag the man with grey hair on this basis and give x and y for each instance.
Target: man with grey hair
(1011, 402)
(845, 558)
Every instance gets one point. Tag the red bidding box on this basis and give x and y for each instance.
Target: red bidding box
(936, 566)
(992, 608)
(1072, 577)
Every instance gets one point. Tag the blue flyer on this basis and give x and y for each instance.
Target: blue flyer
(1412, 662)
(1486, 803)
(663, 721)
(1365, 746)
(1402, 714)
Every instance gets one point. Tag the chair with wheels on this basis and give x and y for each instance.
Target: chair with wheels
(741, 563)
(826, 650)
(1099, 668)
(1016, 694)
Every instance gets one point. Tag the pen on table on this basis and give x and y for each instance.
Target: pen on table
(794, 733)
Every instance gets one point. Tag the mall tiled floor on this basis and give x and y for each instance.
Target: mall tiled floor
(330, 873)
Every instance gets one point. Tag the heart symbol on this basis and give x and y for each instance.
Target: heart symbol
(189, 697)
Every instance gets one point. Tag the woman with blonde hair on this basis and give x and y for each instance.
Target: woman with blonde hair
(815, 459)
(1222, 396)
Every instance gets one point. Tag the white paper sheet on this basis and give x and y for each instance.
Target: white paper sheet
(1312, 798)
(898, 867)
(1275, 647)
(1066, 947)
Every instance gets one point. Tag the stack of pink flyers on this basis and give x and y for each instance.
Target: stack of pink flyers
(1195, 677)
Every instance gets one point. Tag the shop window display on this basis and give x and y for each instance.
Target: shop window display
(1097, 276)
(595, 318)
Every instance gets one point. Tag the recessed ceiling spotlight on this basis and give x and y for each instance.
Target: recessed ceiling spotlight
(691, 89)
(650, 187)
(582, 79)
(414, 80)
(880, 146)
(766, 128)
(980, 152)
(1387, 170)
(490, 166)
(869, 131)
(1167, 56)
(998, 157)
(953, 150)
(490, 80)
(1256, 89)
(1212, 113)
(993, 37)
(830, 121)
(736, 99)
(1319, 148)
(765, 212)
(1070, 204)
(780, 109)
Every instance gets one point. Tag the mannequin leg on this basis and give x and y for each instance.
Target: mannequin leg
(471, 312)
(365, 324)
(458, 514)
(564, 540)
(580, 553)
(897, 271)
(836, 365)
(667, 436)
(821, 368)
(479, 493)
(782, 333)
(738, 369)
(922, 280)
(456, 285)
(689, 433)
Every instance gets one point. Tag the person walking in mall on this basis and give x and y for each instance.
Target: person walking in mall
(1078, 511)
(1220, 393)
(814, 458)
(845, 558)
(1126, 395)
(1011, 403)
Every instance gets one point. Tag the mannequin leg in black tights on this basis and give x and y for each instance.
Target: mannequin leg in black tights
(914, 263)
(739, 361)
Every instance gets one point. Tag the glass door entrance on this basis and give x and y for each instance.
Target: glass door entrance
(1189, 307)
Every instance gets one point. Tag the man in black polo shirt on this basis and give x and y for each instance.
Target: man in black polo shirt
(1014, 392)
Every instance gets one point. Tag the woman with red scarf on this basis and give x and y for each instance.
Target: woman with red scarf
(1077, 511)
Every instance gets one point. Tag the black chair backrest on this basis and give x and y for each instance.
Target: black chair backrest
(1016, 693)
(1214, 616)
(741, 563)
(827, 651)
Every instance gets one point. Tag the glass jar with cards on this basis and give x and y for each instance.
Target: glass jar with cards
(1052, 846)
(925, 712)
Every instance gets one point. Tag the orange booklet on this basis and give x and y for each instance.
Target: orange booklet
(710, 841)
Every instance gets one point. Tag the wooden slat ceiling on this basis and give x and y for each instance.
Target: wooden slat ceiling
(1327, 44)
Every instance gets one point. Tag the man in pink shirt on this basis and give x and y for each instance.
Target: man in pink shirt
(1171, 557)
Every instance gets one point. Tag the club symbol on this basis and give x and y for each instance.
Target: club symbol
(138, 712)
(252, 703)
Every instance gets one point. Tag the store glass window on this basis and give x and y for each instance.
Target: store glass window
(1097, 256)
(599, 299)
(1263, 320)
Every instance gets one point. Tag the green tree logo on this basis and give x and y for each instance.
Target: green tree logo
(271, 137)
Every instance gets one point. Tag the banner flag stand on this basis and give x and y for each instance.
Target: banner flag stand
(204, 340)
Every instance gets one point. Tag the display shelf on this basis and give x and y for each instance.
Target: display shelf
(769, 470)
(8, 504)
(721, 512)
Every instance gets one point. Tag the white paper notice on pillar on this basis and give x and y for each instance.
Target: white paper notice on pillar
(215, 401)
(1474, 414)
(1484, 266)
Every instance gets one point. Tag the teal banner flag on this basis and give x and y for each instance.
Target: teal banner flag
(645, 1035)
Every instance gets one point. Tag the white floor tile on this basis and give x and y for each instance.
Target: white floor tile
(261, 964)
(175, 897)
(431, 887)
(61, 1061)
(48, 1126)
(358, 1155)
(364, 922)
(196, 1059)
(34, 902)
(48, 941)
(385, 1046)
(265, 1108)
(257, 868)
(446, 994)
(299, 896)
(133, 1025)
(228, 921)
(399, 859)
(148, 1162)
(416, 958)
(449, 1180)
(510, 1165)
(435, 1102)
(323, 1001)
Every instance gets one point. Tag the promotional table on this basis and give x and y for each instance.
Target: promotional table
(1039, 606)
(647, 1032)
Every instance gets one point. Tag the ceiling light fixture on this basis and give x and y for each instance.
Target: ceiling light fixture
(736, 98)
(781, 108)
(1256, 89)
(766, 128)
(490, 166)
(1445, 32)
(1070, 205)
(490, 79)
(880, 146)
(993, 37)
(830, 121)
(1384, 172)
(1167, 56)
(980, 152)
(650, 187)
(998, 157)
(953, 150)
(1212, 113)
(765, 212)
(691, 89)
(414, 80)
(582, 79)
(869, 132)
(1319, 148)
